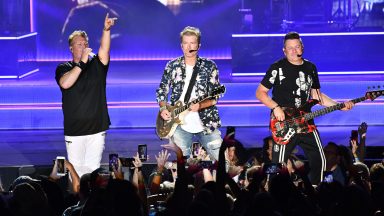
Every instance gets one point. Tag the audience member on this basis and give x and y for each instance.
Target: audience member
(333, 163)
(28, 198)
(358, 147)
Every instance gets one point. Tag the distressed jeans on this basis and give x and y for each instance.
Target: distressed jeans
(211, 142)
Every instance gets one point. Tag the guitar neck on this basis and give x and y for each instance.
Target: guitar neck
(326, 110)
(186, 106)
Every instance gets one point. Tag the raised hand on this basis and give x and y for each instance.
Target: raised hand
(354, 146)
(137, 162)
(162, 158)
(173, 147)
(362, 130)
(109, 22)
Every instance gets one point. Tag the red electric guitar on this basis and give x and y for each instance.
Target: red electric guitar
(296, 119)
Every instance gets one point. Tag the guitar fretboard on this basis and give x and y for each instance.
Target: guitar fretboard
(214, 93)
(186, 106)
(326, 110)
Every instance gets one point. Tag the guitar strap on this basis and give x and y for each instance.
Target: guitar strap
(191, 84)
(316, 76)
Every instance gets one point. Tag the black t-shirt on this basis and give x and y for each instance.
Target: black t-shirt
(85, 103)
(292, 88)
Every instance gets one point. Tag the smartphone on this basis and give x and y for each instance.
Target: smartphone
(195, 149)
(126, 162)
(113, 161)
(142, 149)
(205, 163)
(272, 168)
(60, 165)
(354, 135)
(328, 177)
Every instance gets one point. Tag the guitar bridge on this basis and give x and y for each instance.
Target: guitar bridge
(278, 127)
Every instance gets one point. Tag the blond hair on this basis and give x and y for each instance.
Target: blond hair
(77, 33)
(189, 30)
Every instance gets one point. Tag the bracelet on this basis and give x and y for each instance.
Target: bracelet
(275, 107)
(106, 29)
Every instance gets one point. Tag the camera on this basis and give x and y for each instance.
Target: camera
(60, 165)
(113, 162)
(142, 150)
(126, 162)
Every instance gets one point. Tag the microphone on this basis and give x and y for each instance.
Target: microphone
(191, 51)
(91, 54)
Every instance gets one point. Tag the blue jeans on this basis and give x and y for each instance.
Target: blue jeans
(211, 142)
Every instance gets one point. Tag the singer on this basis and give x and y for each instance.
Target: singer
(295, 81)
(188, 77)
(82, 83)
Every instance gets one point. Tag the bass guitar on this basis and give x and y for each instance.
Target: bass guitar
(296, 119)
(166, 128)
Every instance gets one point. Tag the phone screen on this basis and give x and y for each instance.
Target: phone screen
(142, 150)
(113, 161)
(272, 168)
(206, 163)
(60, 165)
(195, 149)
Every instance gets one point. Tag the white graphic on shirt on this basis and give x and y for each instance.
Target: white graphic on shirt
(303, 86)
(274, 74)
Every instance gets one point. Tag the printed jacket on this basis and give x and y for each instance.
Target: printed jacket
(207, 80)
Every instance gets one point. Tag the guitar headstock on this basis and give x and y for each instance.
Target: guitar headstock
(218, 92)
(373, 94)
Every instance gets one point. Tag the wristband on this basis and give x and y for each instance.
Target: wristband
(80, 64)
(275, 107)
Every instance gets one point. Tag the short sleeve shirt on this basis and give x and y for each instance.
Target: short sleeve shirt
(291, 83)
(85, 103)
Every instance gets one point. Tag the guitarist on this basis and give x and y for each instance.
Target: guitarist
(295, 81)
(186, 78)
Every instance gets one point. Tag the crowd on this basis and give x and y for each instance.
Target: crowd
(237, 183)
